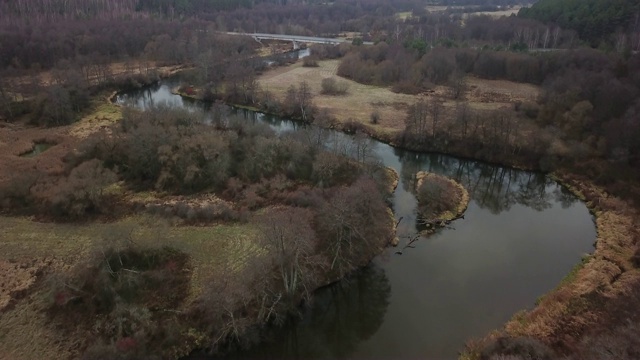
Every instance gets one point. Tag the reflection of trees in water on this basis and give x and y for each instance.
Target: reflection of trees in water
(492, 187)
(564, 196)
(341, 317)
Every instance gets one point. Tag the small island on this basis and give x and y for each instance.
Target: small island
(440, 199)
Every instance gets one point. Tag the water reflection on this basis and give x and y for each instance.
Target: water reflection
(154, 95)
(342, 316)
(492, 187)
(276, 123)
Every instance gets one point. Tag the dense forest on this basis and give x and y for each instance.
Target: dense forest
(592, 19)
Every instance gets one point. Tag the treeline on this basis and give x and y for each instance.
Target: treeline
(262, 16)
(40, 46)
(592, 19)
(368, 17)
(78, 70)
(451, 29)
(405, 69)
(30, 42)
(46, 10)
(586, 120)
(478, 2)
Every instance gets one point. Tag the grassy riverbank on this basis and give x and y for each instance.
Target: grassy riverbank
(576, 317)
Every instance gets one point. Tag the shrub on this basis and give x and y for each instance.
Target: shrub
(437, 195)
(310, 61)
(375, 117)
(16, 191)
(79, 194)
(127, 295)
(330, 86)
(131, 274)
(406, 87)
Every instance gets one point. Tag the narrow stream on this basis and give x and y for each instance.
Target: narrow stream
(521, 234)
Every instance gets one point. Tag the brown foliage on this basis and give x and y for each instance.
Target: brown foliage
(81, 193)
(310, 61)
(436, 195)
(291, 244)
(330, 86)
(354, 224)
(126, 293)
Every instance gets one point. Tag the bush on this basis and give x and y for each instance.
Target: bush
(406, 87)
(436, 194)
(127, 295)
(530, 109)
(131, 274)
(375, 117)
(310, 61)
(81, 193)
(332, 87)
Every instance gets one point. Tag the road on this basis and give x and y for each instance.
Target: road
(296, 38)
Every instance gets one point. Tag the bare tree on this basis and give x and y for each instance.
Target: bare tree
(463, 118)
(290, 241)
(299, 101)
(416, 120)
(437, 109)
(457, 84)
(354, 224)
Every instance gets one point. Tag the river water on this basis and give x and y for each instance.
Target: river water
(522, 233)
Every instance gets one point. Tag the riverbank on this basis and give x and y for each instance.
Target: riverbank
(589, 303)
(577, 307)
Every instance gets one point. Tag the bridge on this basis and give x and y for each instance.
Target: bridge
(296, 39)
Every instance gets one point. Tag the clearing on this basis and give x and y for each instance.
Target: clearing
(362, 100)
(30, 250)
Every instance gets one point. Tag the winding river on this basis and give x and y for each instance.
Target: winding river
(522, 233)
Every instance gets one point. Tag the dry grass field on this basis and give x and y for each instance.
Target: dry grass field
(362, 100)
(29, 250)
(506, 12)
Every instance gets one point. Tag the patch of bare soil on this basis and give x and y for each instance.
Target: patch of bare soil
(16, 279)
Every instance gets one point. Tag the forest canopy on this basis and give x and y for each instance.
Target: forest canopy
(592, 19)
